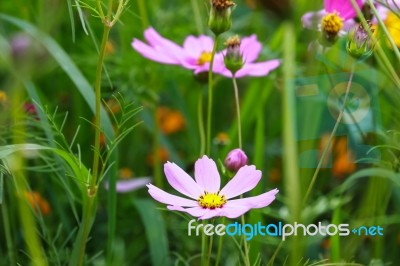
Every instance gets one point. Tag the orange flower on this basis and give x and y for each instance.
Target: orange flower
(343, 158)
(38, 203)
(3, 97)
(125, 173)
(169, 121)
(222, 139)
(343, 163)
(162, 154)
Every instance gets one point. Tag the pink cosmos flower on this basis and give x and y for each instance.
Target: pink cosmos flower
(206, 199)
(195, 54)
(343, 9)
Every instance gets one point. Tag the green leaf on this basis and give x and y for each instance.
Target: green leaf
(376, 172)
(155, 231)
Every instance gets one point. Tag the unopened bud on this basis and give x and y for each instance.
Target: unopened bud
(359, 44)
(235, 160)
(220, 19)
(233, 59)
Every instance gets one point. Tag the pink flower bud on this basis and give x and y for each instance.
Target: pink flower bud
(235, 160)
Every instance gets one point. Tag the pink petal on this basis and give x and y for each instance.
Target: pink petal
(311, 20)
(211, 214)
(245, 179)
(181, 181)
(164, 197)
(206, 174)
(253, 69)
(195, 211)
(250, 48)
(124, 186)
(162, 44)
(233, 211)
(343, 7)
(258, 69)
(194, 46)
(259, 201)
(152, 54)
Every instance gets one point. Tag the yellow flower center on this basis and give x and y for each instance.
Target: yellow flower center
(331, 23)
(211, 200)
(205, 57)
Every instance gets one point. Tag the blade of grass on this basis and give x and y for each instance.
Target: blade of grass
(290, 154)
(155, 231)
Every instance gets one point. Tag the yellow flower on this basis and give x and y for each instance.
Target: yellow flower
(392, 23)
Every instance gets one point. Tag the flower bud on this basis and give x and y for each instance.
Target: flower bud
(220, 19)
(235, 160)
(233, 59)
(359, 44)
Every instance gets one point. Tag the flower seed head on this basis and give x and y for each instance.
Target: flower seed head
(331, 24)
(220, 19)
(359, 44)
(235, 160)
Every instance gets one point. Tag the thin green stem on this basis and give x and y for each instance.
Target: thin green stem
(97, 121)
(7, 232)
(200, 120)
(245, 247)
(209, 249)
(210, 97)
(220, 240)
(328, 145)
(157, 172)
(197, 16)
(235, 87)
(204, 259)
(143, 13)
(78, 253)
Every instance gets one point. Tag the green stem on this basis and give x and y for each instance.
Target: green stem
(204, 260)
(200, 120)
(97, 124)
(78, 253)
(157, 172)
(245, 247)
(220, 240)
(7, 232)
(339, 118)
(90, 193)
(28, 223)
(210, 97)
(197, 16)
(235, 87)
(209, 249)
(143, 14)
